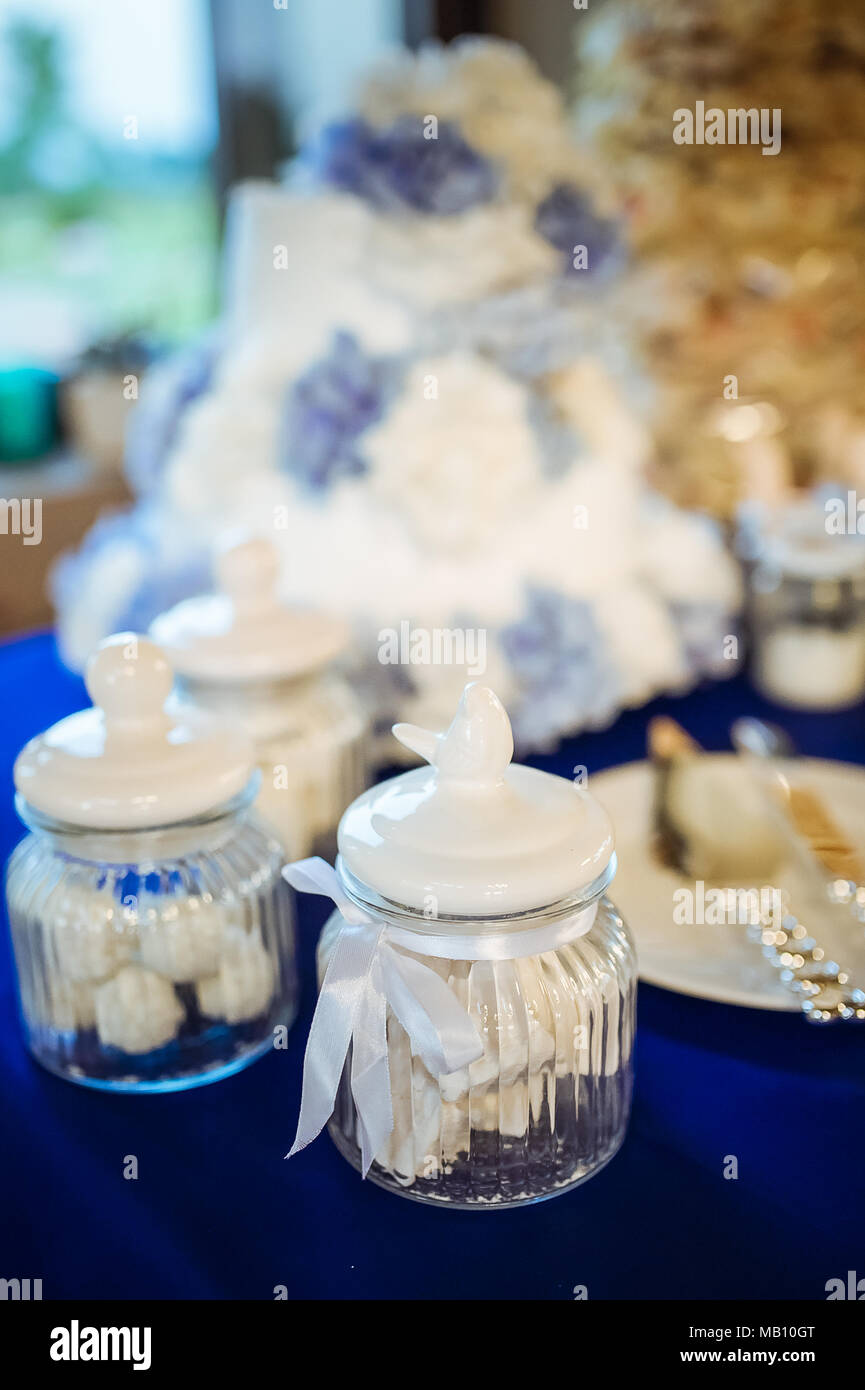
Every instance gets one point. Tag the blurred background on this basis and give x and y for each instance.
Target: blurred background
(121, 129)
(730, 317)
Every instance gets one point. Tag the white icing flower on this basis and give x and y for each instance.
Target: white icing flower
(642, 640)
(226, 441)
(456, 454)
(435, 261)
(683, 556)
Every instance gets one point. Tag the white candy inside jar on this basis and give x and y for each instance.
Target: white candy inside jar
(145, 952)
(539, 1037)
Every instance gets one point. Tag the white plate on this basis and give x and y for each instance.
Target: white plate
(718, 962)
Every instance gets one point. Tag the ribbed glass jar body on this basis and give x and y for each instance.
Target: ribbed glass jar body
(310, 746)
(151, 960)
(544, 1108)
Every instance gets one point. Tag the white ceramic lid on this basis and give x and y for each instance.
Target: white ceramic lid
(244, 632)
(474, 834)
(127, 764)
(797, 542)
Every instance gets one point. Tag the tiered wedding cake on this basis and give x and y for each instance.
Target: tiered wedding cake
(419, 391)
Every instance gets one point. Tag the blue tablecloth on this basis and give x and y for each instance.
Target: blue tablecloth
(216, 1212)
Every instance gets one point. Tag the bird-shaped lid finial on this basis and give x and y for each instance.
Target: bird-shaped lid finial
(478, 746)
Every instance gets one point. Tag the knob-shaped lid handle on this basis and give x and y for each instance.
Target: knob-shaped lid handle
(245, 632)
(247, 570)
(129, 679)
(129, 763)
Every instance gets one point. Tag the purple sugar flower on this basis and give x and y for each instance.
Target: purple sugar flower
(565, 673)
(566, 219)
(403, 168)
(327, 410)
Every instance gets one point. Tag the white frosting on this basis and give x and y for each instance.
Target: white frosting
(432, 261)
(447, 480)
(319, 287)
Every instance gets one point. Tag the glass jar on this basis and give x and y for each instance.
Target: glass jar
(472, 1040)
(154, 960)
(547, 1104)
(243, 655)
(807, 611)
(310, 747)
(152, 931)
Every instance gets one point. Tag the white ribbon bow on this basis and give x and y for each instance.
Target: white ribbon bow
(365, 975)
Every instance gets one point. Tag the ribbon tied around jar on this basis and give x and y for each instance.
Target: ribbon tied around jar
(366, 975)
